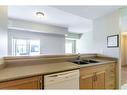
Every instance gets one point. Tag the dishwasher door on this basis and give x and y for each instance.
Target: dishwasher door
(63, 80)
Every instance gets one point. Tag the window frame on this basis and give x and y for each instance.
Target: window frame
(73, 45)
(27, 46)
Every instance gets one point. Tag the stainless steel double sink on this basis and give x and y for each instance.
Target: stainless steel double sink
(85, 61)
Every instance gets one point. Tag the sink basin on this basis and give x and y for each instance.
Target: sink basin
(91, 61)
(82, 62)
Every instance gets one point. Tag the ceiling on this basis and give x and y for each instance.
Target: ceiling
(52, 15)
(76, 18)
(89, 12)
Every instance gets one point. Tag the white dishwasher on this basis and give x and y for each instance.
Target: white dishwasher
(63, 80)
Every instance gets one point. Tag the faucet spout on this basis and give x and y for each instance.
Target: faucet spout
(78, 58)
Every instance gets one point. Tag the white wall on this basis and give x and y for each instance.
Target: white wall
(103, 27)
(51, 37)
(123, 23)
(3, 31)
(50, 43)
(84, 44)
(35, 27)
(123, 19)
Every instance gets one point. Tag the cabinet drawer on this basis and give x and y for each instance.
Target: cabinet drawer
(91, 69)
(25, 83)
(111, 66)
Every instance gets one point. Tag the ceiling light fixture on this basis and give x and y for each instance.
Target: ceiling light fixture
(40, 14)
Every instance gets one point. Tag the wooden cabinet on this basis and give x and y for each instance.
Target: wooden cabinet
(86, 81)
(98, 77)
(92, 77)
(99, 81)
(26, 83)
(110, 76)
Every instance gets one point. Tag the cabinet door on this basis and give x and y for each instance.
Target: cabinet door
(110, 76)
(26, 83)
(86, 78)
(86, 82)
(99, 80)
(92, 77)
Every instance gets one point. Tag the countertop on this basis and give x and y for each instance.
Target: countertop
(12, 73)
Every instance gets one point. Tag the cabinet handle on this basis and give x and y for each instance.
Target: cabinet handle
(40, 83)
(95, 76)
(112, 71)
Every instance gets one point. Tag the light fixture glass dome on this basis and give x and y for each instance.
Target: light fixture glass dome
(40, 14)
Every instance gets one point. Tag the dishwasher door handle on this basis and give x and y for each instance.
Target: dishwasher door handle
(53, 76)
(64, 75)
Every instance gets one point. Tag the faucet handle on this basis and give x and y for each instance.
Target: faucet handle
(78, 53)
(78, 57)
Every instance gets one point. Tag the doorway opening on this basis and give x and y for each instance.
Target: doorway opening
(124, 60)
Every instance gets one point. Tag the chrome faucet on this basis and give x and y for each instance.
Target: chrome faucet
(78, 58)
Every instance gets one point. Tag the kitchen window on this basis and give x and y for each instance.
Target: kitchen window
(70, 46)
(25, 47)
